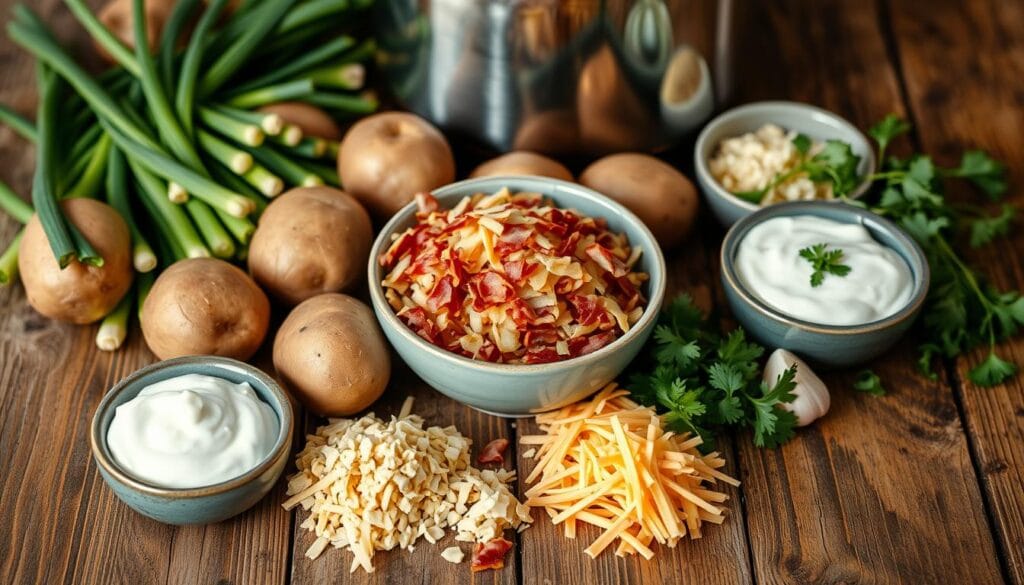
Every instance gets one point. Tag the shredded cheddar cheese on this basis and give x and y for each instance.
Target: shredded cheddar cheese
(609, 462)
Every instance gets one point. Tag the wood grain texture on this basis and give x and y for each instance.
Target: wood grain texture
(859, 496)
(983, 85)
(424, 564)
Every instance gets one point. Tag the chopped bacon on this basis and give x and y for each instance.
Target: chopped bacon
(490, 555)
(494, 452)
(508, 277)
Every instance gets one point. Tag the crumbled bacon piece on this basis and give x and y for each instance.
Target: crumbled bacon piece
(494, 452)
(490, 555)
(508, 277)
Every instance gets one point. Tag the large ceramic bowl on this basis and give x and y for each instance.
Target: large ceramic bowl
(207, 504)
(815, 122)
(830, 345)
(514, 389)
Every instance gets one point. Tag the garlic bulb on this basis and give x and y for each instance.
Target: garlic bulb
(812, 397)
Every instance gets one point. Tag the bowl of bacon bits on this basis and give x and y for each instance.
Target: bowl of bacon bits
(516, 295)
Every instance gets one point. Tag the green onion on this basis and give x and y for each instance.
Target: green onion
(266, 182)
(180, 17)
(86, 253)
(86, 143)
(185, 98)
(216, 237)
(232, 59)
(44, 198)
(143, 284)
(236, 160)
(20, 124)
(170, 169)
(176, 193)
(9, 260)
(314, 148)
(294, 67)
(310, 12)
(238, 130)
(114, 327)
(236, 183)
(284, 167)
(102, 35)
(349, 104)
(14, 205)
(92, 176)
(291, 136)
(348, 77)
(241, 228)
(272, 124)
(289, 90)
(143, 257)
(328, 174)
(172, 217)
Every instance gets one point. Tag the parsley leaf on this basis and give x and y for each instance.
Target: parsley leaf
(869, 383)
(883, 132)
(802, 143)
(986, 173)
(773, 424)
(836, 163)
(824, 262)
(986, 229)
(992, 371)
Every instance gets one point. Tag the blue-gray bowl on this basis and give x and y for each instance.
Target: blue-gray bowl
(830, 345)
(815, 122)
(516, 389)
(202, 505)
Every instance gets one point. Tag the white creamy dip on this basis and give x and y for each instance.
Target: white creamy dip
(192, 431)
(770, 267)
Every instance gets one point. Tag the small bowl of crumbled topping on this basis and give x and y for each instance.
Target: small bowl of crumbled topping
(763, 153)
(516, 294)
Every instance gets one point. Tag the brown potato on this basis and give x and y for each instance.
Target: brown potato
(523, 163)
(311, 240)
(386, 159)
(662, 197)
(79, 293)
(332, 355)
(205, 306)
(611, 115)
(310, 119)
(550, 132)
(116, 15)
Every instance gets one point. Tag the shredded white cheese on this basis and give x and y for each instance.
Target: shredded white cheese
(372, 485)
(453, 554)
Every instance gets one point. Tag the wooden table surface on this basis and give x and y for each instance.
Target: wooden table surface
(924, 485)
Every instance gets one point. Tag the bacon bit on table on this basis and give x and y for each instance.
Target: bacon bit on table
(494, 452)
(490, 555)
(510, 278)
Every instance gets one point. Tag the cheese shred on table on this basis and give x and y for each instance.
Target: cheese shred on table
(372, 485)
(608, 462)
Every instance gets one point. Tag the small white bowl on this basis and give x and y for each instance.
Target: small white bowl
(813, 121)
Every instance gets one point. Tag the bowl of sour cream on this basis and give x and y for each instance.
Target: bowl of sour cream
(193, 440)
(835, 283)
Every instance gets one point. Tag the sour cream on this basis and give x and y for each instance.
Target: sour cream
(192, 431)
(770, 267)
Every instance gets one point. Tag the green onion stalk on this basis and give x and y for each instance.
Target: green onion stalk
(114, 327)
(143, 257)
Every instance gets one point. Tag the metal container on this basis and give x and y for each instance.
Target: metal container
(558, 76)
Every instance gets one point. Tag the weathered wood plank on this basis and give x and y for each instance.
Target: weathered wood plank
(424, 564)
(863, 495)
(968, 58)
(60, 521)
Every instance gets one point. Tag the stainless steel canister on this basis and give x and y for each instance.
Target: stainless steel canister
(558, 76)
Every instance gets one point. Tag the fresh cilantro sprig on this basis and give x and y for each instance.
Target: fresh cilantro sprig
(704, 381)
(868, 382)
(836, 163)
(824, 261)
(962, 310)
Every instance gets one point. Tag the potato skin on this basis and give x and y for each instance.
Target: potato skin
(312, 120)
(205, 306)
(523, 162)
(310, 241)
(662, 197)
(386, 159)
(79, 293)
(331, 353)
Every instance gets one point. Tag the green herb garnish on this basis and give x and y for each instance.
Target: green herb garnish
(835, 163)
(705, 381)
(868, 382)
(962, 310)
(824, 262)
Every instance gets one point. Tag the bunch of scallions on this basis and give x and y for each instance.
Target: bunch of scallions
(173, 138)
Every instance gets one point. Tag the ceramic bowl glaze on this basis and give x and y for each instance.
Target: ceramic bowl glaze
(830, 345)
(815, 122)
(203, 505)
(513, 389)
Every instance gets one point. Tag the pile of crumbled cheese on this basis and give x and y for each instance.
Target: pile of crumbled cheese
(750, 162)
(373, 485)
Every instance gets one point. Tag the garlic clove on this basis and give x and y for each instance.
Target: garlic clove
(812, 396)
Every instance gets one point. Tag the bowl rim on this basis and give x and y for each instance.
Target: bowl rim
(388, 319)
(700, 161)
(104, 458)
(921, 279)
